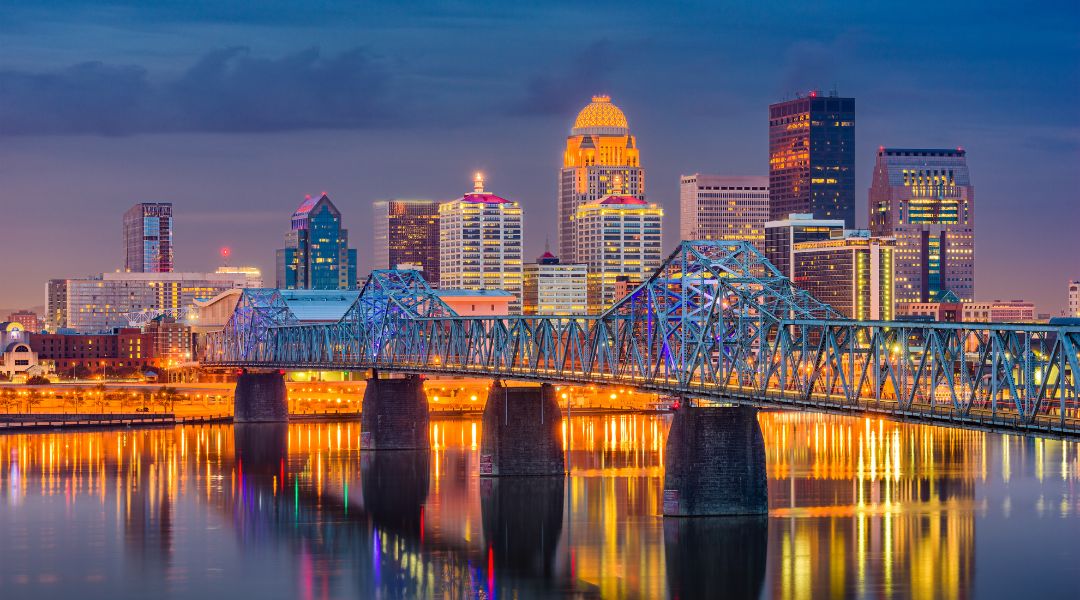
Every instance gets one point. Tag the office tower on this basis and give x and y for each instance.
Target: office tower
(601, 159)
(781, 237)
(27, 318)
(1074, 299)
(853, 274)
(924, 198)
(316, 255)
(812, 158)
(618, 236)
(554, 288)
(148, 235)
(719, 207)
(407, 233)
(102, 302)
(480, 243)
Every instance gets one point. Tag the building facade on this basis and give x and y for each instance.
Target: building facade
(1074, 299)
(316, 255)
(27, 318)
(554, 288)
(106, 301)
(924, 199)
(812, 158)
(17, 359)
(947, 308)
(120, 352)
(618, 236)
(407, 233)
(171, 342)
(601, 159)
(148, 238)
(853, 274)
(719, 207)
(781, 237)
(480, 244)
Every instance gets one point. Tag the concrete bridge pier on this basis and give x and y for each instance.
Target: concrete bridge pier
(260, 398)
(394, 415)
(522, 432)
(715, 463)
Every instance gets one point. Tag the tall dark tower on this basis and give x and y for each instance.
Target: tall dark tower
(812, 158)
(148, 238)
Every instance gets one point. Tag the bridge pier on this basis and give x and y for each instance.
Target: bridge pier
(715, 463)
(260, 398)
(522, 432)
(394, 415)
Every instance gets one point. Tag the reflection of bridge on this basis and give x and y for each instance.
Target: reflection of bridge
(715, 321)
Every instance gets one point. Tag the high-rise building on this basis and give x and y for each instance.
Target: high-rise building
(719, 207)
(103, 302)
(781, 237)
(554, 288)
(480, 243)
(27, 318)
(853, 274)
(601, 159)
(812, 158)
(316, 255)
(924, 198)
(407, 233)
(1074, 299)
(148, 233)
(618, 236)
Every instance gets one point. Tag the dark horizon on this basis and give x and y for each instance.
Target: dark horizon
(233, 113)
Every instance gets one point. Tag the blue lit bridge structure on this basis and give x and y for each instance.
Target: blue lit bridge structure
(715, 322)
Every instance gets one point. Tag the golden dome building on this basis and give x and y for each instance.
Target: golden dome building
(601, 159)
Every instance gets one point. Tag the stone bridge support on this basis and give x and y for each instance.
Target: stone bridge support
(394, 415)
(715, 463)
(260, 398)
(522, 432)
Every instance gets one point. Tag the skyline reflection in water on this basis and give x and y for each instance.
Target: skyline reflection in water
(858, 507)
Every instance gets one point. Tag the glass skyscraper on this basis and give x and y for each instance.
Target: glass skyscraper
(407, 233)
(924, 198)
(316, 255)
(148, 238)
(812, 158)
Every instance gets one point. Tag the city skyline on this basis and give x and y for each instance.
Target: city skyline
(1018, 132)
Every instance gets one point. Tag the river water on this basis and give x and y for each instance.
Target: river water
(858, 508)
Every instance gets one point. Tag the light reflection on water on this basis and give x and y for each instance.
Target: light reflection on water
(858, 507)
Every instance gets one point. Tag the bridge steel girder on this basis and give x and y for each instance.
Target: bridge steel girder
(716, 320)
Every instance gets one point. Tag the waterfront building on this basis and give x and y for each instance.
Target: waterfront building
(17, 358)
(103, 302)
(601, 159)
(55, 304)
(478, 303)
(316, 255)
(148, 238)
(618, 236)
(781, 237)
(721, 207)
(946, 308)
(121, 352)
(480, 243)
(27, 318)
(252, 276)
(554, 288)
(924, 199)
(171, 342)
(999, 311)
(407, 233)
(1074, 299)
(812, 158)
(853, 274)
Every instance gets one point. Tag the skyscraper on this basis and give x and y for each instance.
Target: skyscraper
(618, 236)
(148, 238)
(718, 207)
(812, 158)
(1074, 299)
(554, 288)
(407, 233)
(316, 255)
(781, 237)
(601, 159)
(853, 274)
(480, 244)
(924, 198)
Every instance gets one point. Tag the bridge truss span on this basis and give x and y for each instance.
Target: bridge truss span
(715, 321)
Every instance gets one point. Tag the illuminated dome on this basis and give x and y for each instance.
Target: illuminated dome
(600, 117)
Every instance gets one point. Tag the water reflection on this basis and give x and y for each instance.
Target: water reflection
(858, 507)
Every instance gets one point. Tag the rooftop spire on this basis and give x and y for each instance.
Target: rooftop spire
(478, 183)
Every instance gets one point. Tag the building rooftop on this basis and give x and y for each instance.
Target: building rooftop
(600, 117)
(319, 305)
(613, 199)
(484, 198)
(473, 293)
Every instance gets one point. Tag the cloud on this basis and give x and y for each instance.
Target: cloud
(587, 74)
(227, 90)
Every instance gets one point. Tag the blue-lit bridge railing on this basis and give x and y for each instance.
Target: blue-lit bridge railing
(715, 321)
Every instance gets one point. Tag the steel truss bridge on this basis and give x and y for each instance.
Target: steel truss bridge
(715, 321)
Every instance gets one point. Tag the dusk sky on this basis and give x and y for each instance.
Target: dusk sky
(234, 110)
